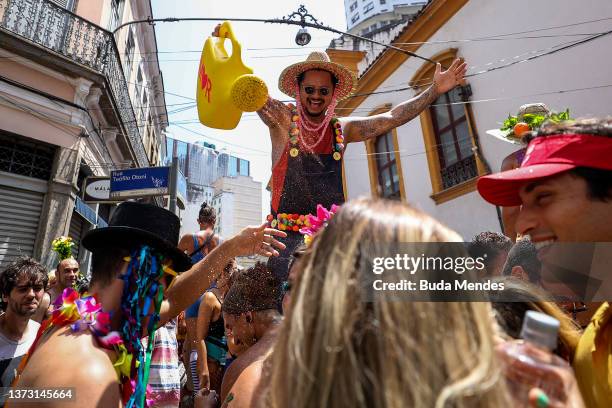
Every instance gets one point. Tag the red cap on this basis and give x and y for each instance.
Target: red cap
(547, 156)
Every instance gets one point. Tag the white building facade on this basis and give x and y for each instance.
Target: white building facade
(434, 160)
(365, 16)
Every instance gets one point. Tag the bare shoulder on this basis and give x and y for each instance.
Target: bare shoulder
(73, 360)
(186, 242)
(244, 391)
(235, 370)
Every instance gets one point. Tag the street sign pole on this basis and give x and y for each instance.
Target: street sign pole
(173, 183)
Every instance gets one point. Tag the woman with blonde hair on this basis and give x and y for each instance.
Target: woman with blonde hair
(336, 349)
(526, 296)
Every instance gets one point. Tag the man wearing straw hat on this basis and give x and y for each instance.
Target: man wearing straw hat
(308, 141)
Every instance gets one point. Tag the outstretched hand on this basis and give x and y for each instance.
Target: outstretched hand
(453, 76)
(258, 241)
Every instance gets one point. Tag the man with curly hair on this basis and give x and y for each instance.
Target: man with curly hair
(22, 285)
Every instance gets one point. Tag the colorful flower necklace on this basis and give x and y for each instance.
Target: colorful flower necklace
(85, 313)
(295, 131)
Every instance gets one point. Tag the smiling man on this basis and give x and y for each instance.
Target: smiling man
(67, 272)
(564, 186)
(308, 140)
(22, 285)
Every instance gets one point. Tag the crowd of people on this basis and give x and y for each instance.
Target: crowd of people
(171, 322)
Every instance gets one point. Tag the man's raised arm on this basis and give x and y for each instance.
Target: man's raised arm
(358, 129)
(275, 113)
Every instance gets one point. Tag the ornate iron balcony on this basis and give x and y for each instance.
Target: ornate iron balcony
(54, 28)
(459, 172)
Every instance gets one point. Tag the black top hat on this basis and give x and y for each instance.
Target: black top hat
(134, 224)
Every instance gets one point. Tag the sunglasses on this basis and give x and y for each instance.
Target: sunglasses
(310, 90)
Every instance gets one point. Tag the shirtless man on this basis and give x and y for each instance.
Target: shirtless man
(88, 357)
(251, 317)
(67, 272)
(308, 141)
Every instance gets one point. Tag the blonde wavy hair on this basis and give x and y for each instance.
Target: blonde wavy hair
(337, 350)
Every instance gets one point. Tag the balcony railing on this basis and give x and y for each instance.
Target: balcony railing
(459, 172)
(56, 29)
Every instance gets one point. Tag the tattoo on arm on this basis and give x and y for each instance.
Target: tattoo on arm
(274, 112)
(228, 399)
(360, 129)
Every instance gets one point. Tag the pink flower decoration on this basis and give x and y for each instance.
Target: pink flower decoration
(111, 339)
(318, 222)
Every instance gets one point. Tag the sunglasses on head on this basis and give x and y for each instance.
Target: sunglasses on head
(310, 90)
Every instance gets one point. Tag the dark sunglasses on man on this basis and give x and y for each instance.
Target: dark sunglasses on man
(310, 90)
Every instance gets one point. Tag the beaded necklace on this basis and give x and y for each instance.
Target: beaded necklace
(295, 133)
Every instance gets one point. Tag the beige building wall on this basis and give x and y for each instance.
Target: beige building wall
(246, 201)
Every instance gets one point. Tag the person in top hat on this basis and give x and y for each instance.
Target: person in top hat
(308, 140)
(564, 188)
(93, 343)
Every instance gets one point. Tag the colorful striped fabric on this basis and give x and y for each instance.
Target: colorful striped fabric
(164, 377)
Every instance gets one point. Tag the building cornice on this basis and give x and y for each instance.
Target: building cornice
(430, 20)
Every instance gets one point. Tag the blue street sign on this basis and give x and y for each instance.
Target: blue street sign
(85, 211)
(147, 181)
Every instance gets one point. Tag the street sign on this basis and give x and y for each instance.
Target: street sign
(97, 190)
(142, 182)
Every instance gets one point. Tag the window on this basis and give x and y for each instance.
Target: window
(143, 107)
(355, 18)
(457, 161)
(128, 56)
(233, 166)
(28, 158)
(384, 163)
(353, 6)
(243, 167)
(450, 137)
(116, 14)
(386, 167)
(368, 7)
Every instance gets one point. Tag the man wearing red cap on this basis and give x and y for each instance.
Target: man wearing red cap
(564, 187)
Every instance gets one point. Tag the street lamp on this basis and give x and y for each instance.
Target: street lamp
(302, 37)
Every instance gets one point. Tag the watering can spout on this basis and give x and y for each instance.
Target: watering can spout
(226, 87)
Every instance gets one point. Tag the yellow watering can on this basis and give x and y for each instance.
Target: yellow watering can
(225, 86)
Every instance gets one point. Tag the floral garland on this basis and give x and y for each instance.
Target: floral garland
(141, 287)
(319, 222)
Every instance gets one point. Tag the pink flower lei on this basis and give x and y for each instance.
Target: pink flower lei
(319, 222)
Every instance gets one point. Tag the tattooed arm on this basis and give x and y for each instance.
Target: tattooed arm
(358, 129)
(275, 114)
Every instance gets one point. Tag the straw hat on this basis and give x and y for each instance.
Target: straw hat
(318, 60)
(530, 108)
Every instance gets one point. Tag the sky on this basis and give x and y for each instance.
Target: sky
(266, 48)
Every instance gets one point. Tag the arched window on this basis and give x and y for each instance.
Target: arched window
(449, 136)
(385, 167)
